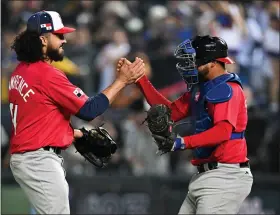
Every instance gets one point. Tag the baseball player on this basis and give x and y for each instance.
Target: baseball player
(210, 118)
(41, 102)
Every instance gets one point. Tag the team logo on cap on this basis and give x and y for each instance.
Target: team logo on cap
(48, 26)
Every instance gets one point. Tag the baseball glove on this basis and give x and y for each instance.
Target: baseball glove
(161, 126)
(96, 146)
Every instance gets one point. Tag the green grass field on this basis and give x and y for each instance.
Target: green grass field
(14, 201)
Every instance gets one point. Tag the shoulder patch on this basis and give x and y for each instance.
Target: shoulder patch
(219, 94)
(78, 92)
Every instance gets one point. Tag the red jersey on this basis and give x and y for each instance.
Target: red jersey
(42, 101)
(234, 112)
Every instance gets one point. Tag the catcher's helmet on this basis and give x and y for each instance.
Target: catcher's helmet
(209, 48)
(199, 51)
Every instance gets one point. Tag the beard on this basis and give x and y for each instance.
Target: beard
(202, 74)
(201, 78)
(53, 54)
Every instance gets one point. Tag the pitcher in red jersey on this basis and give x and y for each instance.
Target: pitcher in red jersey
(42, 101)
(210, 119)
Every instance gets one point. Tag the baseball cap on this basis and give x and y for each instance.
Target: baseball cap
(47, 22)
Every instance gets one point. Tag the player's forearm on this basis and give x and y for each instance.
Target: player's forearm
(178, 108)
(93, 107)
(151, 94)
(98, 104)
(113, 90)
(219, 133)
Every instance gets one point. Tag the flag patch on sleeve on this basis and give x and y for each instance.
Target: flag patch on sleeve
(78, 92)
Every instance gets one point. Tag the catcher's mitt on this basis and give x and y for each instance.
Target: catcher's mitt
(96, 146)
(161, 126)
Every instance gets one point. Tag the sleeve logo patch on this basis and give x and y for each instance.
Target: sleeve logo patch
(78, 92)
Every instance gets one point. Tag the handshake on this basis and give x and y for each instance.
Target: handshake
(129, 73)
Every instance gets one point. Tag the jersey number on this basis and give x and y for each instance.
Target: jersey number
(14, 110)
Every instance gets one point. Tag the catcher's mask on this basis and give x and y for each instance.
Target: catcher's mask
(186, 66)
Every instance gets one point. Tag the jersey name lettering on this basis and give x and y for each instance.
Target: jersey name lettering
(19, 84)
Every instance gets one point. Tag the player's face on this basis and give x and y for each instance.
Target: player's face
(54, 48)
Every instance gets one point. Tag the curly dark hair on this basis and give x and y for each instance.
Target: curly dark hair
(28, 47)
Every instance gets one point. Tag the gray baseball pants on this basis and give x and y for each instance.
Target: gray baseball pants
(42, 177)
(218, 191)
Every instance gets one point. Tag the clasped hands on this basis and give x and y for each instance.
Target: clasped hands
(130, 72)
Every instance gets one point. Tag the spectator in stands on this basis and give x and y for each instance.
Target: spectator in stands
(271, 45)
(132, 93)
(230, 26)
(110, 53)
(139, 150)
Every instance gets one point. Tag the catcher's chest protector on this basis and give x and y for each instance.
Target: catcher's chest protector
(214, 91)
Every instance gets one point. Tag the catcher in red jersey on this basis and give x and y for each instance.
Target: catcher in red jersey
(42, 101)
(210, 119)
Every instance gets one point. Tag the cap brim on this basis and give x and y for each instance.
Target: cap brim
(64, 30)
(225, 60)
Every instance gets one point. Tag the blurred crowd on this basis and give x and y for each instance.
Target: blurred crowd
(109, 30)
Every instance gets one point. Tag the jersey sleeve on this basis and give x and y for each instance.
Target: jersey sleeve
(64, 93)
(180, 107)
(228, 111)
(211, 137)
(151, 94)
